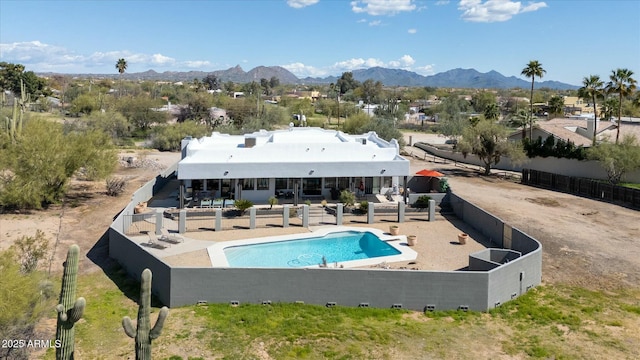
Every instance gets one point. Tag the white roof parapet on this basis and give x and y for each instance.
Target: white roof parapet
(297, 152)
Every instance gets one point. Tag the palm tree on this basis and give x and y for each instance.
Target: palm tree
(121, 66)
(520, 119)
(533, 69)
(623, 84)
(556, 105)
(592, 88)
(608, 109)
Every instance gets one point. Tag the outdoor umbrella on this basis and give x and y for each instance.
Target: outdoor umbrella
(431, 173)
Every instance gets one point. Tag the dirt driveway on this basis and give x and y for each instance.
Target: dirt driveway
(585, 242)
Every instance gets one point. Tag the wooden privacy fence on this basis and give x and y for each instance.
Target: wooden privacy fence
(594, 189)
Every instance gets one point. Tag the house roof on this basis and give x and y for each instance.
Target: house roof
(295, 152)
(575, 130)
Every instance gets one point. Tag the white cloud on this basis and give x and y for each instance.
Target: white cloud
(298, 4)
(425, 70)
(359, 63)
(162, 60)
(412, 31)
(382, 7)
(197, 64)
(495, 10)
(40, 57)
(405, 62)
(442, 2)
(301, 70)
(375, 23)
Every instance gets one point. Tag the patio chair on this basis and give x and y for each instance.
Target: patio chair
(205, 203)
(217, 204)
(170, 238)
(229, 203)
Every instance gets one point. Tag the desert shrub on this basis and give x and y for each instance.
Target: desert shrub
(30, 250)
(43, 159)
(444, 185)
(422, 202)
(243, 205)
(115, 185)
(364, 207)
(169, 137)
(272, 201)
(23, 303)
(307, 202)
(347, 198)
(552, 147)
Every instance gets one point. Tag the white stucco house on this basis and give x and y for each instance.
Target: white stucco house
(299, 162)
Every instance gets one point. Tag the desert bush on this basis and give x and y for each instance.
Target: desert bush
(242, 205)
(422, 202)
(30, 250)
(44, 158)
(115, 185)
(272, 201)
(169, 137)
(22, 305)
(364, 207)
(347, 198)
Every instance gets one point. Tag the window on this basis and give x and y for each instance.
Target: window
(212, 184)
(282, 183)
(247, 184)
(343, 183)
(263, 183)
(329, 183)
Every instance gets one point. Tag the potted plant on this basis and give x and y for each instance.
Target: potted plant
(412, 240)
(462, 238)
(394, 230)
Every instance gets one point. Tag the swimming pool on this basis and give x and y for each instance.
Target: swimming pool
(341, 247)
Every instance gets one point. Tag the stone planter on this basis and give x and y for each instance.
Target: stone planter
(140, 208)
(394, 230)
(412, 240)
(462, 238)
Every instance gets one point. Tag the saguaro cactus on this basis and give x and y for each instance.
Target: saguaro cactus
(69, 312)
(143, 334)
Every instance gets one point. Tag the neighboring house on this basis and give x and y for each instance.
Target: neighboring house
(306, 162)
(574, 105)
(369, 109)
(577, 130)
(304, 94)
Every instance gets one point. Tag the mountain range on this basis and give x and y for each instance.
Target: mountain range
(456, 78)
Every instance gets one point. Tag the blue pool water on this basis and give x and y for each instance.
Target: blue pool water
(335, 247)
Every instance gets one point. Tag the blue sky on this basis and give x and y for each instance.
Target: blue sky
(572, 39)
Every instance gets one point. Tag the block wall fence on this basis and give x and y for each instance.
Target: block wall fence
(494, 275)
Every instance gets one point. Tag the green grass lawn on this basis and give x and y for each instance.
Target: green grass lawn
(558, 322)
(631, 185)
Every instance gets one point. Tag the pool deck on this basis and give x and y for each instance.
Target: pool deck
(437, 245)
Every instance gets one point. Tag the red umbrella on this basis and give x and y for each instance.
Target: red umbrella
(431, 173)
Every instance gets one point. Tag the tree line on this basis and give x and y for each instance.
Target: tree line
(99, 114)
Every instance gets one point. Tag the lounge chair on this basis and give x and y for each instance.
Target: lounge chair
(170, 238)
(153, 241)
